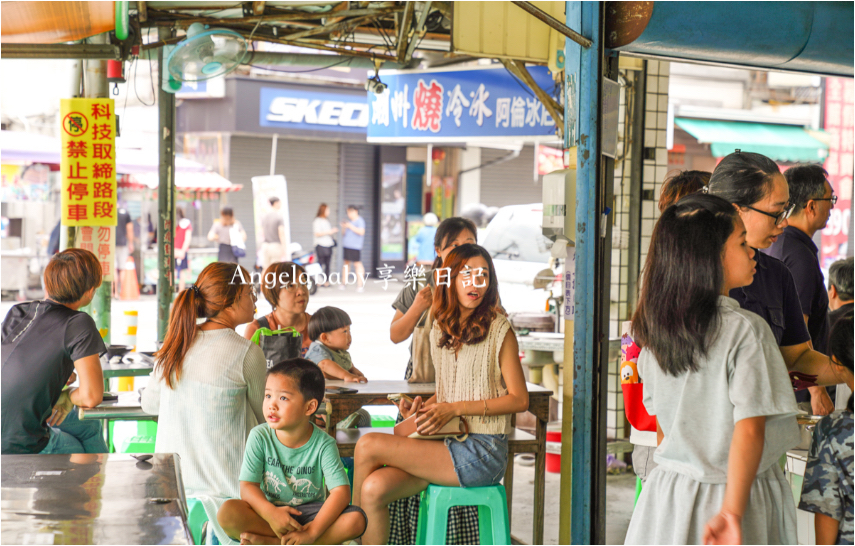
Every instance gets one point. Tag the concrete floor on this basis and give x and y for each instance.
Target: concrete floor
(620, 493)
(373, 352)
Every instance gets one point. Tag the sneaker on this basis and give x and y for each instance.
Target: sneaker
(341, 287)
(361, 289)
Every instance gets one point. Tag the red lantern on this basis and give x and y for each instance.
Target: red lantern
(437, 155)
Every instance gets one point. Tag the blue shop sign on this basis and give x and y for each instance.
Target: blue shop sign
(457, 105)
(298, 109)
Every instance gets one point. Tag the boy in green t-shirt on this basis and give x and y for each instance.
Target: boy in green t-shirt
(288, 461)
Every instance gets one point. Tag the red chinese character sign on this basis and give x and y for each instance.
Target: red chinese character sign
(100, 241)
(839, 124)
(88, 163)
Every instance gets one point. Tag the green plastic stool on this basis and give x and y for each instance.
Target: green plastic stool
(138, 444)
(196, 519)
(492, 503)
(637, 490)
(382, 421)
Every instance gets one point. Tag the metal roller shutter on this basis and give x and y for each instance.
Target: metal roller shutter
(511, 182)
(359, 187)
(311, 169)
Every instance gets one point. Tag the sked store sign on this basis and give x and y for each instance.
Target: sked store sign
(295, 109)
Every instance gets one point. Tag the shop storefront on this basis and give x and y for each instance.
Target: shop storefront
(313, 135)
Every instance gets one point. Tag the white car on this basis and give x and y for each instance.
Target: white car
(520, 251)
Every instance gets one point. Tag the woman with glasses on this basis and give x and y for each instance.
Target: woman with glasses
(761, 195)
(208, 386)
(281, 287)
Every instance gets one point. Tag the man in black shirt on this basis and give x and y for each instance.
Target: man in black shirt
(813, 198)
(44, 342)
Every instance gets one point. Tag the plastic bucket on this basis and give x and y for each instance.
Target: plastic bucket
(553, 461)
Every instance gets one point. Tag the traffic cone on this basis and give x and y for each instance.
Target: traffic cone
(130, 286)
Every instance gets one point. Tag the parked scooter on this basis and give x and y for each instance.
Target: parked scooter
(309, 262)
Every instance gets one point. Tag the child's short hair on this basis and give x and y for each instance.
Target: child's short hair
(70, 274)
(325, 320)
(305, 373)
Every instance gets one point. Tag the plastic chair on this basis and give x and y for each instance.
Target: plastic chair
(382, 421)
(492, 503)
(196, 520)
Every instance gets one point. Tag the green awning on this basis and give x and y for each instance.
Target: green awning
(777, 142)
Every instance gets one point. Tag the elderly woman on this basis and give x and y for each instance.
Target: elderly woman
(289, 298)
(43, 343)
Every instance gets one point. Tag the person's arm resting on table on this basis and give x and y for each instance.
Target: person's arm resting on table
(89, 394)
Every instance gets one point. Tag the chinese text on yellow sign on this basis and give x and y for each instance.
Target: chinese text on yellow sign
(88, 162)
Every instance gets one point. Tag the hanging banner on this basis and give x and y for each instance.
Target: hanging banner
(392, 211)
(100, 241)
(457, 105)
(839, 124)
(88, 162)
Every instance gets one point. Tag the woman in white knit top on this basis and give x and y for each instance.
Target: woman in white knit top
(478, 378)
(208, 387)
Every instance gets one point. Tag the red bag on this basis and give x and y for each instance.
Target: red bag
(636, 413)
(631, 385)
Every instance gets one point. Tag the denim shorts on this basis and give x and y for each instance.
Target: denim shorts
(480, 459)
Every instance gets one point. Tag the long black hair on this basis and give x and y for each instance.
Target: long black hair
(743, 178)
(447, 232)
(840, 343)
(677, 312)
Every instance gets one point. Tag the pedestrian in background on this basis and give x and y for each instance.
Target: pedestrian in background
(223, 231)
(813, 198)
(183, 235)
(425, 250)
(273, 230)
(124, 247)
(324, 243)
(352, 240)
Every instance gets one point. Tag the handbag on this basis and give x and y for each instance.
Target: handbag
(423, 368)
(278, 345)
(238, 244)
(455, 427)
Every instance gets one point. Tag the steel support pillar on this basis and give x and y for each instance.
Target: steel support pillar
(165, 195)
(96, 87)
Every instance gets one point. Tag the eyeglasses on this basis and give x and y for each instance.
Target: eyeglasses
(780, 217)
(833, 200)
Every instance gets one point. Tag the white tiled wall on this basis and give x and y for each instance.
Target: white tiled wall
(655, 170)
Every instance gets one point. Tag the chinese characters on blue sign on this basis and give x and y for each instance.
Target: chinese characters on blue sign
(458, 104)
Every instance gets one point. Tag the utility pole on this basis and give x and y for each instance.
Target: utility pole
(96, 87)
(165, 192)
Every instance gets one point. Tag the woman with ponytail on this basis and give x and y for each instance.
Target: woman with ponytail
(208, 386)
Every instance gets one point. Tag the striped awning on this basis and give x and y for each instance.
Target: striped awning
(184, 182)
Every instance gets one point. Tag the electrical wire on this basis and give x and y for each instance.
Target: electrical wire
(136, 94)
(299, 71)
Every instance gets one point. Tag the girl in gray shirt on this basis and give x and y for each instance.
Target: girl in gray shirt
(719, 388)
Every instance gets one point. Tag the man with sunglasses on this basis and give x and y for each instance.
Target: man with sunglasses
(812, 198)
